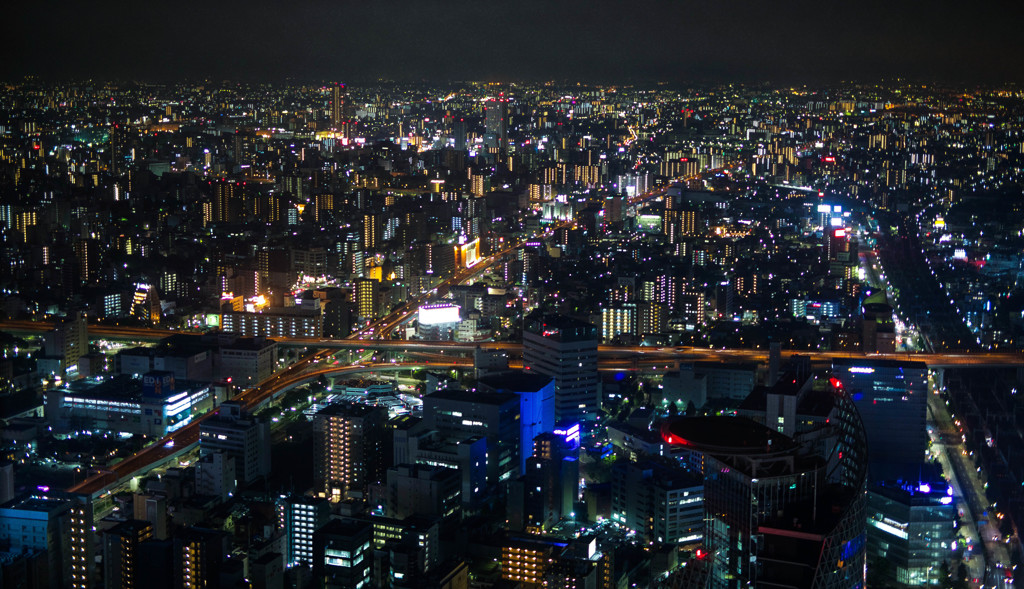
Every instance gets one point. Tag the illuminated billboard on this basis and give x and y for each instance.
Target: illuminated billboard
(467, 255)
(439, 313)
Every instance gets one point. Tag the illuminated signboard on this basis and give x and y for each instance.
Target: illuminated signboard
(468, 254)
(435, 314)
(571, 433)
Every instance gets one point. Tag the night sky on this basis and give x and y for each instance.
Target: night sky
(810, 41)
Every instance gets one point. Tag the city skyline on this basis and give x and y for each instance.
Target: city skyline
(410, 335)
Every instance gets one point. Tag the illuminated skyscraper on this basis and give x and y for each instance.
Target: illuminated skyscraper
(496, 121)
(349, 450)
(299, 517)
(338, 105)
(68, 341)
(892, 398)
(366, 298)
(371, 231)
(565, 349)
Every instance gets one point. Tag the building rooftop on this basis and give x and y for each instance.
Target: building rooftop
(39, 503)
(121, 386)
(726, 435)
(346, 409)
(847, 363)
(480, 397)
(516, 381)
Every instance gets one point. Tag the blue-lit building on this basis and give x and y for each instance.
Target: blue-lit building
(458, 414)
(59, 526)
(536, 404)
(153, 406)
(891, 397)
(911, 530)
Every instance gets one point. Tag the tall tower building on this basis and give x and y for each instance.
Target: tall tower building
(366, 298)
(371, 231)
(339, 98)
(350, 450)
(69, 341)
(892, 398)
(122, 564)
(300, 517)
(565, 349)
(496, 121)
(536, 404)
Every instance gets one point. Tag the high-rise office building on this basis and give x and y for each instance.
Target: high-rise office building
(911, 531)
(892, 398)
(372, 231)
(339, 98)
(342, 554)
(661, 503)
(300, 517)
(68, 341)
(496, 121)
(239, 435)
(459, 414)
(366, 298)
(350, 450)
(536, 403)
(565, 349)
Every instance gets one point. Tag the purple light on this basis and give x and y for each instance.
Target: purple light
(43, 488)
(925, 488)
(946, 500)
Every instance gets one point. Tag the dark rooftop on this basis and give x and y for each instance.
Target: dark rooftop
(515, 381)
(481, 397)
(725, 435)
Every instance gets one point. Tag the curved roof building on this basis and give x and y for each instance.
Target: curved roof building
(782, 510)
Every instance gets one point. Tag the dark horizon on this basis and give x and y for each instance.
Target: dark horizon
(793, 42)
